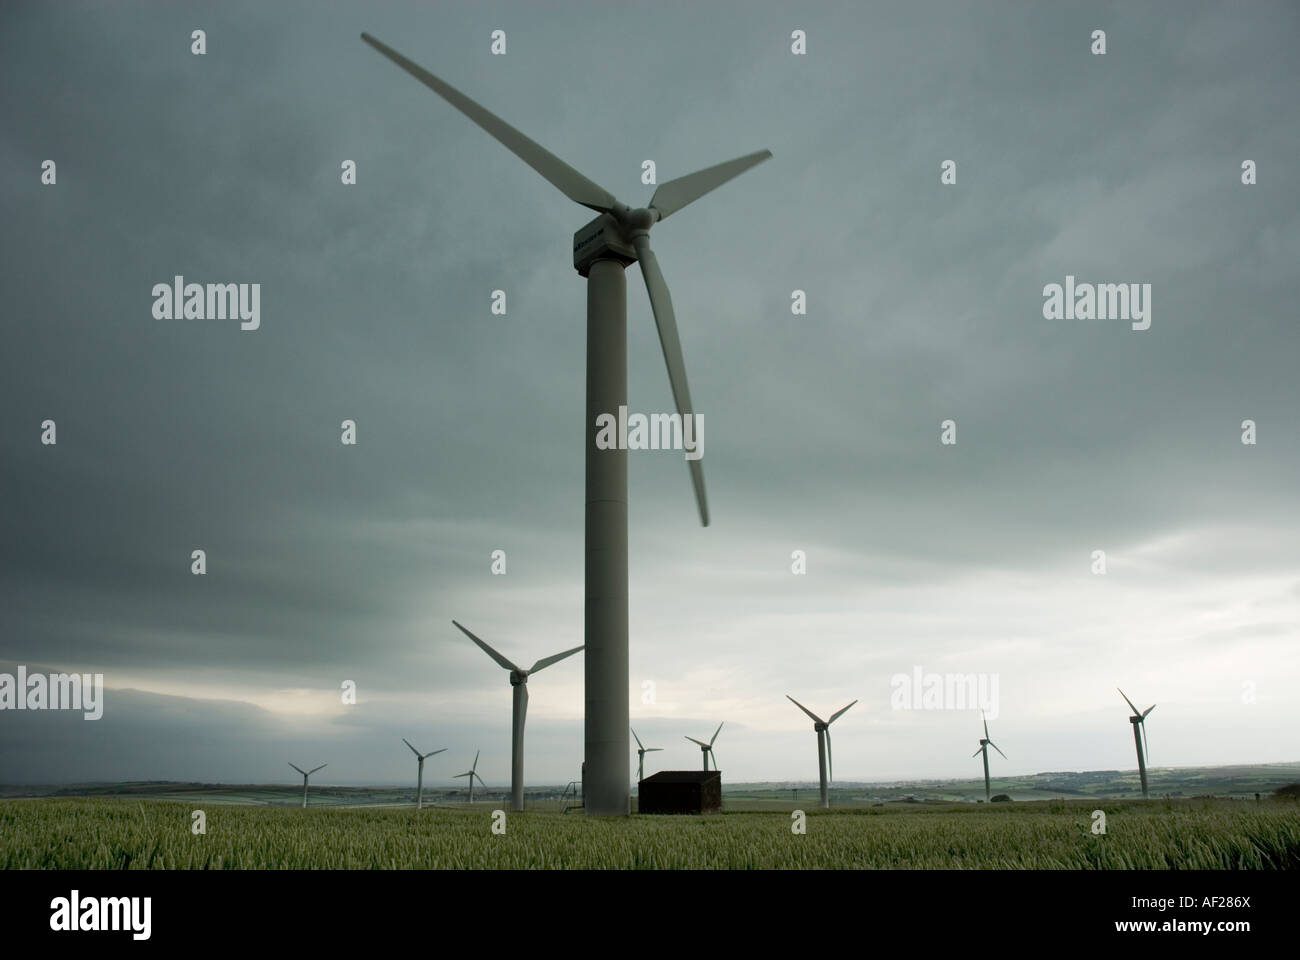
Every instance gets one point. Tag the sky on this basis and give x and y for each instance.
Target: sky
(329, 563)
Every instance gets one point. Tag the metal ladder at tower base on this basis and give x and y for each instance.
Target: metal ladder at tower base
(575, 786)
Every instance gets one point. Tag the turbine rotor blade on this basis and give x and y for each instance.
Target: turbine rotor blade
(562, 176)
(1148, 710)
(1136, 711)
(715, 733)
(314, 769)
(977, 752)
(432, 753)
(997, 748)
(661, 304)
(299, 769)
(986, 725)
(839, 713)
(830, 764)
(637, 739)
(502, 661)
(654, 749)
(413, 750)
(556, 658)
(700, 742)
(675, 194)
(816, 719)
(476, 753)
(1146, 749)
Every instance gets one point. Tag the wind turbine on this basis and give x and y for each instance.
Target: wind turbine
(602, 251)
(1139, 721)
(305, 775)
(825, 766)
(641, 751)
(471, 773)
(518, 680)
(707, 748)
(985, 743)
(419, 788)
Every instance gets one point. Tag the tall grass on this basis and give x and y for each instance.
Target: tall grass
(115, 834)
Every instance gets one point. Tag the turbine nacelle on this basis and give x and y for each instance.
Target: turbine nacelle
(601, 239)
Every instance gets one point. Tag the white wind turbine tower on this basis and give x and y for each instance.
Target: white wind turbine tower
(641, 751)
(305, 775)
(602, 250)
(1139, 721)
(707, 748)
(519, 681)
(419, 783)
(472, 772)
(985, 743)
(825, 765)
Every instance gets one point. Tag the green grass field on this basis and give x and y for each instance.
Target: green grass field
(107, 833)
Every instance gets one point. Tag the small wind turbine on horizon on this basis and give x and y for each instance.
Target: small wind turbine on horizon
(472, 772)
(603, 249)
(985, 743)
(519, 681)
(419, 783)
(305, 775)
(1139, 721)
(825, 766)
(707, 748)
(641, 751)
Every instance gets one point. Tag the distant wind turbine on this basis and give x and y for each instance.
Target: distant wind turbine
(419, 783)
(305, 775)
(472, 772)
(641, 751)
(825, 766)
(985, 743)
(1139, 721)
(518, 680)
(707, 748)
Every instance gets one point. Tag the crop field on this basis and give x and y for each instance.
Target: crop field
(104, 833)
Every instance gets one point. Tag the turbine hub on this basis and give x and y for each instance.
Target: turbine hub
(517, 677)
(640, 220)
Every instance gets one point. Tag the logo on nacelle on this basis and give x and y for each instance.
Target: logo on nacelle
(582, 243)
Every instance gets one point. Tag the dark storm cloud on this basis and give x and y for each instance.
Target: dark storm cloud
(329, 562)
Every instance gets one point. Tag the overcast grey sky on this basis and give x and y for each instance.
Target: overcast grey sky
(329, 562)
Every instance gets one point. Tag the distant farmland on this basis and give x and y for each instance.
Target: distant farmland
(117, 833)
